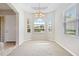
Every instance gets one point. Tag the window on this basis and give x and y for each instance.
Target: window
(49, 25)
(39, 25)
(70, 23)
(28, 26)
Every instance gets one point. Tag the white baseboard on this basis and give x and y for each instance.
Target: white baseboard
(66, 48)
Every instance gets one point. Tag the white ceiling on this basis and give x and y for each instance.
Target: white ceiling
(29, 7)
(50, 6)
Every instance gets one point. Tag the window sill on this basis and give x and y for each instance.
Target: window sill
(72, 36)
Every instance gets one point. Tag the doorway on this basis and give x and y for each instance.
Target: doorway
(2, 29)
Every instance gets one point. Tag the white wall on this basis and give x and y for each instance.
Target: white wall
(71, 44)
(28, 16)
(10, 28)
(21, 27)
(51, 34)
(19, 22)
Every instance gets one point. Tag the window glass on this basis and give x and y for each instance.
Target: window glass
(39, 25)
(70, 14)
(70, 21)
(28, 26)
(49, 25)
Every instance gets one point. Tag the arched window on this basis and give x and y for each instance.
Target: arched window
(39, 25)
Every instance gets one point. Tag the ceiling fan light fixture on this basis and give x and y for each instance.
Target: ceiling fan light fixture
(39, 13)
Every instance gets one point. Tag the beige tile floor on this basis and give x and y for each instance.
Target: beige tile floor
(6, 49)
(39, 48)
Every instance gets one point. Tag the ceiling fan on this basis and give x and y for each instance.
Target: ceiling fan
(39, 13)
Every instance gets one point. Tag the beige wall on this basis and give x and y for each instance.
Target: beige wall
(7, 12)
(2, 29)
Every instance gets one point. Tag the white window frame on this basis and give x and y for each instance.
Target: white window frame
(71, 21)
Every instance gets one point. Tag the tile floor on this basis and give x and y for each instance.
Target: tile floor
(7, 48)
(39, 48)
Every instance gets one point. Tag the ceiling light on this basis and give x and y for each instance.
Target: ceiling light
(39, 13)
